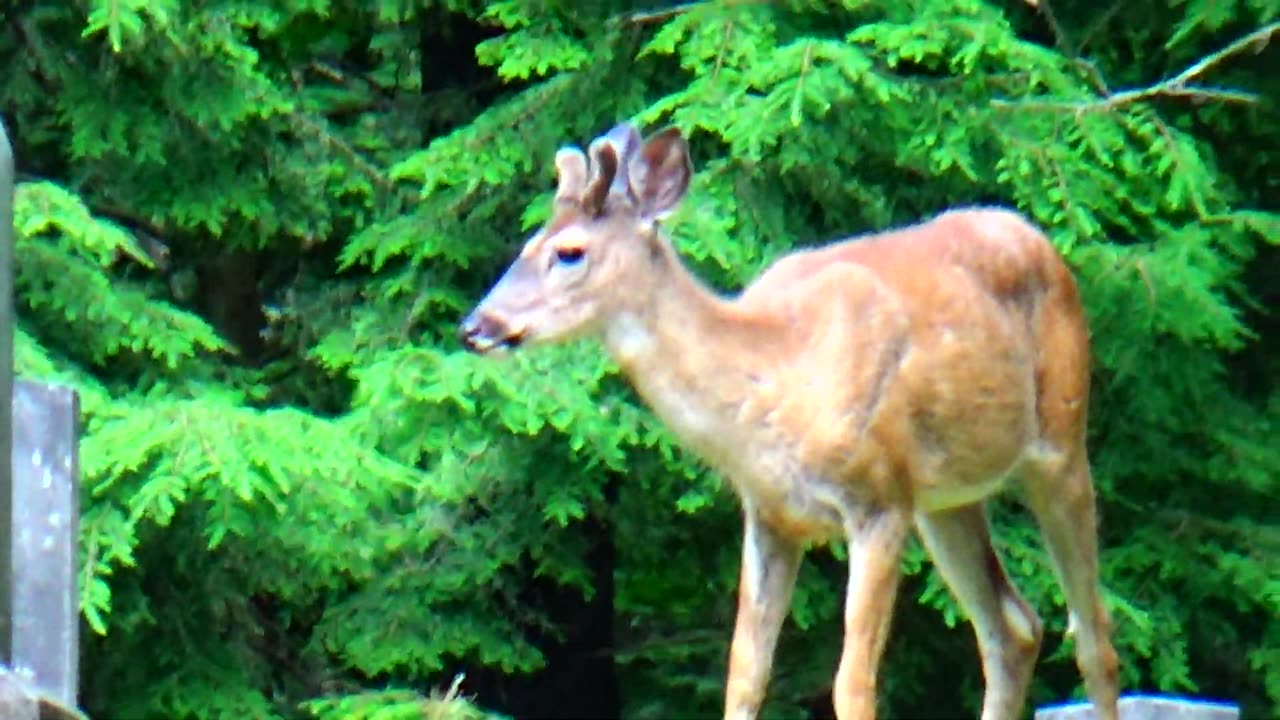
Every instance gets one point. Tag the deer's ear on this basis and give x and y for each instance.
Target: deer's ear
(659, 174)
(625, 138)
(571, 173)
(604, 166)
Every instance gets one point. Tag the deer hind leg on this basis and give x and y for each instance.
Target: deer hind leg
(770, 562)
(874, 546)
(1007, 628)
(1063, 503)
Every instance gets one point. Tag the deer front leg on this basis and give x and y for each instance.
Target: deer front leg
(770, 562)
(875, 545)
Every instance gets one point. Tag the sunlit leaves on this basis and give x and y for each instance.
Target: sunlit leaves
(126, 21)
(63, 256)
(43, 208)
(533, 52)
(372, 501)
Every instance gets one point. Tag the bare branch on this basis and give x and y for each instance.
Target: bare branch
(1177, 86)
(317, 129)
(651, 17)
(1059, 36)
(1197, 93)
(1060, 40)
(1099, 22)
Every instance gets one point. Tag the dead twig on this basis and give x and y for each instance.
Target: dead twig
(650, 17)
(653, 17)
(1179, 85)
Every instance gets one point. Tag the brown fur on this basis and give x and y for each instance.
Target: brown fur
(852, 390)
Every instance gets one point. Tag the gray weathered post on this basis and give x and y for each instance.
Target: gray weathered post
(39, 519)
(45, 515)
(1147, 707)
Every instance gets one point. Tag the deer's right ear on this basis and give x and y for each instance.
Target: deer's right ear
(659, 174)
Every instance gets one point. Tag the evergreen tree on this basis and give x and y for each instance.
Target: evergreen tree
(247, 229)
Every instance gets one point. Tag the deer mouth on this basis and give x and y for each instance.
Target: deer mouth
(483, 334)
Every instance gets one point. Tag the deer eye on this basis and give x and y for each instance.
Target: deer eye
(569, 255)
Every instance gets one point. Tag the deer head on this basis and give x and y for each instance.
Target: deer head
(587, 261)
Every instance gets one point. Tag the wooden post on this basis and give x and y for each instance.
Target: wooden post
(1147, 707)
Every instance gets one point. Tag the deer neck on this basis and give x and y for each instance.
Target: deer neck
(690, 353)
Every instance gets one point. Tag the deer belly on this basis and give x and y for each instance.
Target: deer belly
(944, 496)
(968, 463)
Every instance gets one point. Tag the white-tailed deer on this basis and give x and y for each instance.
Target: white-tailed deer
(860, 388)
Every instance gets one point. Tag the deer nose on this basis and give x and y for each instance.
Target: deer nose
(480, 332)
(471, 330)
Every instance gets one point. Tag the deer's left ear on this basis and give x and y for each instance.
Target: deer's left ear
(659, 174)
(604, 167)
(571, 173)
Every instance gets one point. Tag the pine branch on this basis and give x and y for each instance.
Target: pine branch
(43, 67)
(1256, 39)
(316, 130)
(147, 233)
(343, 76)
(1177, 86)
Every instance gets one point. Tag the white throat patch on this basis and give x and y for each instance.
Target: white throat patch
(627, 337)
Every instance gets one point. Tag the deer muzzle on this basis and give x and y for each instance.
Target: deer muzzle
(482, 332)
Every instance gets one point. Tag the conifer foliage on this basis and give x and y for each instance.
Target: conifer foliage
(246, 230)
